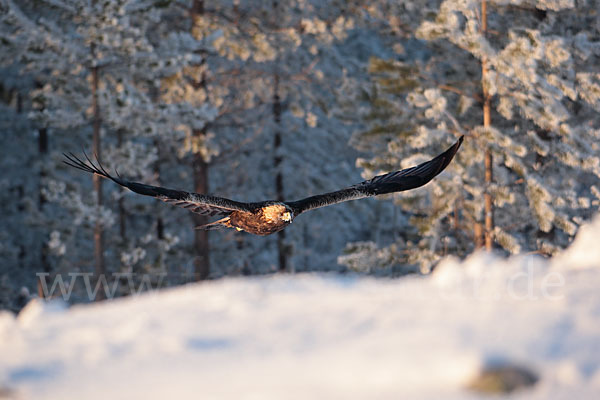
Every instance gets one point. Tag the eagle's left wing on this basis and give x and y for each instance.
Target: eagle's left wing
(198, 203)
(398, 181)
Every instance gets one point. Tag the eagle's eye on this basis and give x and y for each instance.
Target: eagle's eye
(286, 216)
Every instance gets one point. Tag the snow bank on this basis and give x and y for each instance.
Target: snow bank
(322, 336)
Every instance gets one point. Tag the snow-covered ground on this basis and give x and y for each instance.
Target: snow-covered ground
(322, 336)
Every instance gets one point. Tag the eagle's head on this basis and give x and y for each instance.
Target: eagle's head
(278, 213)
(287, 216)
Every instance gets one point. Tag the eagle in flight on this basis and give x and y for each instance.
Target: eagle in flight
(267, 217)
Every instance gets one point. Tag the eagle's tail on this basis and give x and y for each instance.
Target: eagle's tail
(222, 223)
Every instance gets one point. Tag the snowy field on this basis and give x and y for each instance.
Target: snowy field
(322, 336)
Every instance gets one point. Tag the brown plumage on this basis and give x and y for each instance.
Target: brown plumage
(266, 217)
(263, 221)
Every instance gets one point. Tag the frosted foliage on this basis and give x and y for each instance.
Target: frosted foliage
(132, 157)
(564, 85)
(555, 53)
(365, 257)
(314, 26)
(584, 202)
(169, 241)
(540, 76)
(437, 103)
(502, 195)
(507, 241)
(311, 119)
(133, 257)
(516, 67)
(554, 5)
(201, 144)
(432, 100)
(417, 99)
(563, 222)
(139, 50)
(539, 199)
(55, 245)
(583, 47)
(448, 25)
(596, 192)
(341, 26)
(465, 104)
(589, 88)
(54, 191)
(505, 107)
(311, 49)
(540, 147)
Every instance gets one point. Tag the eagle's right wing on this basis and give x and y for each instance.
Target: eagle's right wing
(198, 203)
(398, 181)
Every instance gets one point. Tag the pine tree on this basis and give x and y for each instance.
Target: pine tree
(250, 47)
(131, 55)
(532, 72)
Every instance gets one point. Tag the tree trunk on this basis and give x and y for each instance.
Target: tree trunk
(282, 256)
(489, 205)
(478, 235)
(160, 227)
(488, 202)
(202, 260)
(200, 170)
(96, 149)
(121, 204)
(281, 247)
(43, 151)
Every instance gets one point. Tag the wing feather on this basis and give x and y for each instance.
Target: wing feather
(398, 181)
(197, 203)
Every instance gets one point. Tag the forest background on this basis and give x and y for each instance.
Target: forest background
(255, 100)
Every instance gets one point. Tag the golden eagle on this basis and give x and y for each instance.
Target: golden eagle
(266, 217)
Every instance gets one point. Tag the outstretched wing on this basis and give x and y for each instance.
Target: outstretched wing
(198, 203)
(397, 181)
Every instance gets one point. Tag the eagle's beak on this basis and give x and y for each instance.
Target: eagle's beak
(287, 216)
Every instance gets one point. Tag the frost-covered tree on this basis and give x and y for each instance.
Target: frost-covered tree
(533, 68)
(284, 63)
(100, 65)
(253, 100)
(20, 236)
(159, 69)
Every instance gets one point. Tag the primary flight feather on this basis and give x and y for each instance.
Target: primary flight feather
(266, 217)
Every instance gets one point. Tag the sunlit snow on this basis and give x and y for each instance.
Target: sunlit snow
(322, 336)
